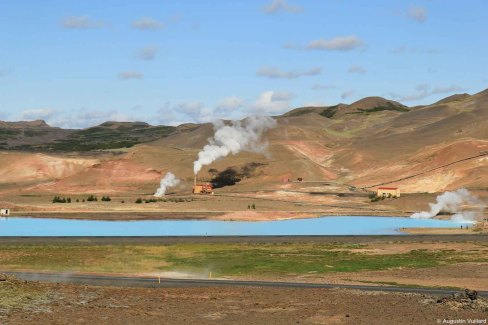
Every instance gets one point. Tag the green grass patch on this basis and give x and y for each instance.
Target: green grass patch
(329, 112)
(284, 260)
(107, 136)
(222, 259)
(387, 107)
(26, 298)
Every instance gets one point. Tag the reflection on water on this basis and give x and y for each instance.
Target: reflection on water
(314, 226)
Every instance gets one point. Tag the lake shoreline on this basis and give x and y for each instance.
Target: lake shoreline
(472, 229)
(197, 215)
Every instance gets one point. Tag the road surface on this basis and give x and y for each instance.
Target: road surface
(154, 282)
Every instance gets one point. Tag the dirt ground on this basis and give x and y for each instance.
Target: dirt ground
(294, 200)
(267, 206)
(36, 303)
(466, 275)
(264, 205)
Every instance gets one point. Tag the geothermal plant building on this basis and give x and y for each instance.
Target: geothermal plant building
(204, 188)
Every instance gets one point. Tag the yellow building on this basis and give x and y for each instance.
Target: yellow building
(205, 188)
(4, 212)
(388, 192)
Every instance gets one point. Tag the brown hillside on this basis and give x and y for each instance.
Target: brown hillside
(369, 142)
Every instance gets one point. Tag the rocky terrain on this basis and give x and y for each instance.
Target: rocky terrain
(31, 302)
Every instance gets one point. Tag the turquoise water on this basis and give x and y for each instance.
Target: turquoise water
(314, 226)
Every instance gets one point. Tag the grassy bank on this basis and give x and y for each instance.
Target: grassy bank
(226, 259)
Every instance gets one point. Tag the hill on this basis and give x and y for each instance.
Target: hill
(39, 136)
(366, 106)
(372, 141)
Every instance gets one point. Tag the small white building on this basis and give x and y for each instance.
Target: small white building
(4, 212)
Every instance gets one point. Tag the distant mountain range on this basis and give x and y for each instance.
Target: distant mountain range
(369, 142)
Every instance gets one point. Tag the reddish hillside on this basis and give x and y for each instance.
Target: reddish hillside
(372, 141)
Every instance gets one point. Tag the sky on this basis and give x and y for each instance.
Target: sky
(78, 63)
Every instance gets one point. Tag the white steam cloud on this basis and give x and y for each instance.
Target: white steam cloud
(464, 205)
(234, 138)
(169, 180)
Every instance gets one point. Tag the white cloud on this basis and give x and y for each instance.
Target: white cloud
(281, 5)
(356, 69)
(38, 114)
(126, 75)
(275, 73)
(422, 87)
(81, 22)
(166, 115)
(194, 111)
(418, 14)
(340, 43)
(347, 94)
(411, 97)
(282, 96)
(272, 102)
(190, 108)
(74, 119)
(413, 50)
(230, 104)
(184, 112)
(148, 53)
(235, 108)
(147, 23)
(446, 90)
(95, 117)
(423, 91)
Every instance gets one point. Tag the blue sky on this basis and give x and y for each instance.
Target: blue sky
(78, 63)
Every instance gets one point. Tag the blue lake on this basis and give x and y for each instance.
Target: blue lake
(313, 226)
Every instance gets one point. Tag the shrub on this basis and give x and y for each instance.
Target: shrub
(329, 112)
(58, 199)
(92, 198)
(139, 201)
(106, 198)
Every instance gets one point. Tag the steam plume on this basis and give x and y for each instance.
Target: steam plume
(234, 138)
(464, 205)
(169, 180)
